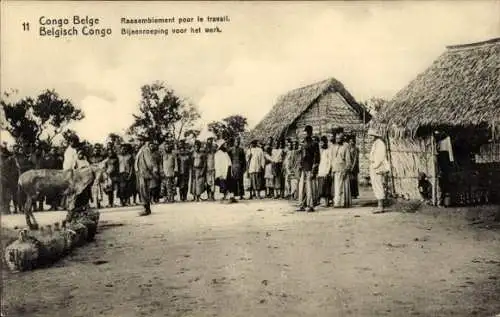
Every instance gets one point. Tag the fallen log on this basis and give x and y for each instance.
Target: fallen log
(35, 248)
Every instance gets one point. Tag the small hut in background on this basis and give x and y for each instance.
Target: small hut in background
(323, 105)
(445, 124)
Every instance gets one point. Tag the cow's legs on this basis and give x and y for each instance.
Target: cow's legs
(21, 199)
(28, 213)
(13, 198)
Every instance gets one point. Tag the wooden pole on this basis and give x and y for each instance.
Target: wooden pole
(434, 170)
(389, 158)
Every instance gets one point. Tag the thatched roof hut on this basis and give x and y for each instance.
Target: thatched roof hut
(452, 107)
(460, 89)
(331, 103)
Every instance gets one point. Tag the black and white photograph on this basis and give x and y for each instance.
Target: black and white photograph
(250, 158)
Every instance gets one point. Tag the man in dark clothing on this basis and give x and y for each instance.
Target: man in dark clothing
(355, 166)
(146, 168)
(309, 161)
(8, 174)
(184, 164)
(238, 167)
(23, 163)
(126, 166)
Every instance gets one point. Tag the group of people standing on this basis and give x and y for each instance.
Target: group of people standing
(19, 159)
(310, 169)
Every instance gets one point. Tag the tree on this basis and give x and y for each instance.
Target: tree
(68, 134)
(229, 127)
(194, 132)
(114, 138)
(375, 104)
(35, 121)
(188, 116)
(162, 113)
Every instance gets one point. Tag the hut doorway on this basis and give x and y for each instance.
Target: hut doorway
(463, 179)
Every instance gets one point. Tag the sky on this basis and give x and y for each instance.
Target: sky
(265, 50)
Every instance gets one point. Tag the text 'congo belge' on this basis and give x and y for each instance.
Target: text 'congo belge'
(77, 25)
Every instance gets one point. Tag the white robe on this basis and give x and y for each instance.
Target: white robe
(70, 158)
(378, 167)
(325, 162)
(256, 160)
(222, 164)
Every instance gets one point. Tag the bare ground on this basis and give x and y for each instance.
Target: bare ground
(262, 259)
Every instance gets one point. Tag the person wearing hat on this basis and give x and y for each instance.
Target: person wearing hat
(379, 167)
(341, 166)
(223, 174)
(146, 168)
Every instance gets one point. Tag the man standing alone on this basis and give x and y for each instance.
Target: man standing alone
(146, 169)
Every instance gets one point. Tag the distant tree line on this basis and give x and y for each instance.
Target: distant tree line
(42, 122)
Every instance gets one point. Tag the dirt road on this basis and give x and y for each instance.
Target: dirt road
(262, 259)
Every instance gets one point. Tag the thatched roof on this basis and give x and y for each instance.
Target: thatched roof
(460, 89)
(290, 106)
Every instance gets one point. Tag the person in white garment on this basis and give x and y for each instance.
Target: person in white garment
(223, 175)
(324, 171)
(71, 154)
(379, 167)
(256, 162)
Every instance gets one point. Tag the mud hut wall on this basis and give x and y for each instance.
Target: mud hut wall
(408, 158)
(331, 111)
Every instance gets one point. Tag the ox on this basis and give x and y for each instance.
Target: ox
(74, 185)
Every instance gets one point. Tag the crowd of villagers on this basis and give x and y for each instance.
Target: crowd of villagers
(309, 169)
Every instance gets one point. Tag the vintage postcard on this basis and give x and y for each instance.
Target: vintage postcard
(329, 158)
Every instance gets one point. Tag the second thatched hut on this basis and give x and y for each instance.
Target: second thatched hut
(323, 105)
(445, 124)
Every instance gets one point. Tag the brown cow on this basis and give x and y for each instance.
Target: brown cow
(73, 184)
